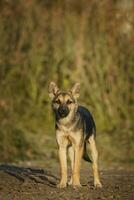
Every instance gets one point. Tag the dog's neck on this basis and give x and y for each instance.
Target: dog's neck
(68, 124)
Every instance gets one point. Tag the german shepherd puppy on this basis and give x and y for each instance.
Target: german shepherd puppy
(75, 128)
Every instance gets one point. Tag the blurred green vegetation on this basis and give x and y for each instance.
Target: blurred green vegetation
(91, 42)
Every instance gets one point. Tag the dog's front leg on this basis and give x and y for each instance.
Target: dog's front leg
(63, 167)
(71, 156)
(62, 144)
(78, 150)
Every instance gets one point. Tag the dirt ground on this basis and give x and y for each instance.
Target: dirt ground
(26, 183)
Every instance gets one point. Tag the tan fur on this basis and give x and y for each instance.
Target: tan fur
(94, 155)
(69, 136)
(71, 157)
(78, 151)
(63, 140)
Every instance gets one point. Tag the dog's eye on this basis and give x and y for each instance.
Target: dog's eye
(57, 101)
(69, 101)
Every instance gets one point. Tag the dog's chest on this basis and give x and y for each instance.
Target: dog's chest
(71, 126)
(70, 133)
(66, 129)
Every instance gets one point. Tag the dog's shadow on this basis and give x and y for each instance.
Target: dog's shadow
(36, 175)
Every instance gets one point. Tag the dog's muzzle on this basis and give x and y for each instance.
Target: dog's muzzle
(63, 111)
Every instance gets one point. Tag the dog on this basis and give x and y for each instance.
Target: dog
(75, 128)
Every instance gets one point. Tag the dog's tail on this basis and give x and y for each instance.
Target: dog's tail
(85, 153)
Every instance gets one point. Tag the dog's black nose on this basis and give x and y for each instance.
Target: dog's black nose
(63, 111)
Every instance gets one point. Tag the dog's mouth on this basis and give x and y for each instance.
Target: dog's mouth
(63, 111)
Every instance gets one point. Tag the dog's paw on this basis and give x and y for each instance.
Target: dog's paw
(97, 184)
(61, 185)
(77, 186)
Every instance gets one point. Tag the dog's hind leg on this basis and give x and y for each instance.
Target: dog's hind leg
(94, 155)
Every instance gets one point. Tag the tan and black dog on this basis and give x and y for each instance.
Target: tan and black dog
(75, 128)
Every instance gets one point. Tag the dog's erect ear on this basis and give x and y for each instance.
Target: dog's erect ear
(53, 89)
(76, 90)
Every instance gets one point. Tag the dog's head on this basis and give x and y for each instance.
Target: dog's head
(64, 102)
